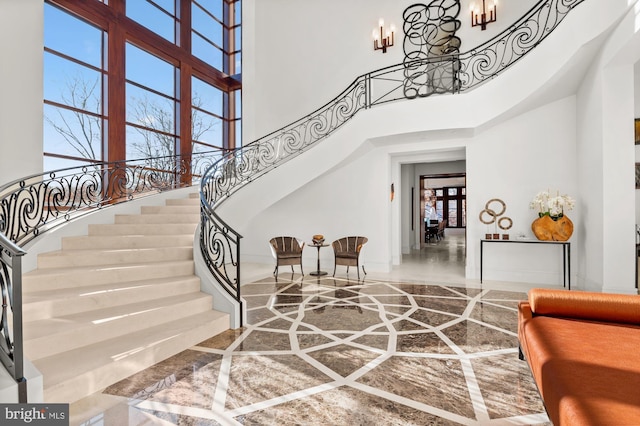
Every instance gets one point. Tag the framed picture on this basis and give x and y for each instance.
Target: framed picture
(637, 131)
(637, 175)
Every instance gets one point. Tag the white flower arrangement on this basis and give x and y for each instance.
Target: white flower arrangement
(552, 206)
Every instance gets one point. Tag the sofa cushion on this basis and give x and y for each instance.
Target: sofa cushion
(623, 308)
(588, 372)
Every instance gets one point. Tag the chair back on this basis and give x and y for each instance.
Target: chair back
(349, 244)
(290, 245)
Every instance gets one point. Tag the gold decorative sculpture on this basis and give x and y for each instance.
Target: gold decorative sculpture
(547, 229)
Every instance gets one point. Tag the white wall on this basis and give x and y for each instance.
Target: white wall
(513, 162)
(298, 55)
(606, 156)
(407, 227)
(21, 88)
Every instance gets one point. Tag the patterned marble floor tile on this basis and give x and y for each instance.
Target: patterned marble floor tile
(258, 340)
(433, 319)
(450, 305)
(434, 382)
(325, 351)
(343, 359)
(222, 340)
(255, 379)
(506, 383)
(502, 317)
(306, 341)
(373, 341)
(342, 406)
(472, 337)
(188, 378)
(422, 343)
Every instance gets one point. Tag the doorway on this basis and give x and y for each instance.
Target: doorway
(442, 205)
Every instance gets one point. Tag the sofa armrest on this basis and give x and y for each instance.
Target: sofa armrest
(524, 311)
(624, 308)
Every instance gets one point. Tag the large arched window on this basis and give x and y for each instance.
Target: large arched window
(130, 79)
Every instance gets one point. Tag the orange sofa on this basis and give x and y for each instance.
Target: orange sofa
(583, 349)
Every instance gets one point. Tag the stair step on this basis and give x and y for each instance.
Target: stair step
(73, 258)
(47, 337)
(51, 279)
(125, 241)
(67, 301)
(191, 201)
(189, 209)
(142, 229)
(117, 301)
(157, 218)
(72, 375)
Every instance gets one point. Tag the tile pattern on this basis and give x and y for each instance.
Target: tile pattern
(321, 351)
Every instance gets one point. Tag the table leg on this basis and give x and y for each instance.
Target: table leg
(318, 272)
(569, 265)
(481, 261)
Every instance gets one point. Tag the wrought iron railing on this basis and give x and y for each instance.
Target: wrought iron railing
(220, 244)
(36, 203)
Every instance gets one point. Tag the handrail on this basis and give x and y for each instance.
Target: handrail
(454, 73)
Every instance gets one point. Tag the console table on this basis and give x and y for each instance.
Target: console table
(566, 255)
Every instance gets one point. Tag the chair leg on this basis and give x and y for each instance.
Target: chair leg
(347, 269)
(334, 269)
(365, 272)
(301, 271)
(292, 269)
(275, 270)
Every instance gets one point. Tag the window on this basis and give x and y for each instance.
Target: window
(444, 199)
(74, 77)
(119, 84)
(206, 116)
(207, 31)
(158, 15)
(151, 106)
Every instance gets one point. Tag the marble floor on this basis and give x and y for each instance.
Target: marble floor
(419, 347)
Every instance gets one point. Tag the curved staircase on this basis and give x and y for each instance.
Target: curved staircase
(116, 301)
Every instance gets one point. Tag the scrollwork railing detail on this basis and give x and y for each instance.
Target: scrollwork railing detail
(486, 61)
(36, 203)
